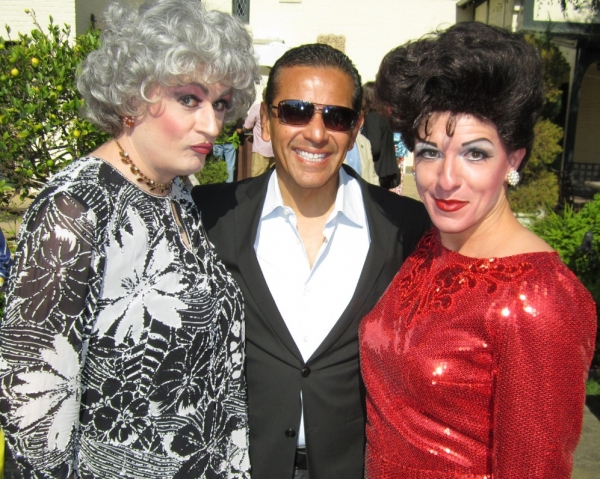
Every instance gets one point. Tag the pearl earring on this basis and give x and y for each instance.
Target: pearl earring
(513, 177)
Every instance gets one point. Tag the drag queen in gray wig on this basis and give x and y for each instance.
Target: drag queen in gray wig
(122, 347)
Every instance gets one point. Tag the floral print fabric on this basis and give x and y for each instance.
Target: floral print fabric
(121, 350)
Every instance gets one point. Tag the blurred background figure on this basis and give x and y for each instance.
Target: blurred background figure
(4, 261)
(262, 151)
(226, 147)
(379, 133)
(122, 346)
(401, 154)
(361, 159)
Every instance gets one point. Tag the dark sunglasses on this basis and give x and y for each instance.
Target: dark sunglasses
(298, 112)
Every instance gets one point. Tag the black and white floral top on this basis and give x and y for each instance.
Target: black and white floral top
(121, 350)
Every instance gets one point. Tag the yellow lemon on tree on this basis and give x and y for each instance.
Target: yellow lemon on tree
(76, 133)
(35, 62)
(14, 72)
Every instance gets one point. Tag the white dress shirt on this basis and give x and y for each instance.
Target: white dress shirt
(312, 300)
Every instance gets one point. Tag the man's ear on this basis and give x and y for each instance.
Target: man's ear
(265, 121)
(516, 157)
(355, 130)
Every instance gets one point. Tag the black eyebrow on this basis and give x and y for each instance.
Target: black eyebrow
(475, 141)
(431, 143)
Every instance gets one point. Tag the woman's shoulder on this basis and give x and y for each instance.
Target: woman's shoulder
(548, 289)
(524, 241)
(80, 186)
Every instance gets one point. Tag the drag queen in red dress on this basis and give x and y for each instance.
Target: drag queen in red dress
(476, 356)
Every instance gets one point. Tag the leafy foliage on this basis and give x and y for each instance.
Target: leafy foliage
(538, 188)
(535, 194)
(41, 130)
(566, 232)
(592, 388)
(214, 171)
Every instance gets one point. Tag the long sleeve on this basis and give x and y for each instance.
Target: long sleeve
(42, 336)
(544, 354)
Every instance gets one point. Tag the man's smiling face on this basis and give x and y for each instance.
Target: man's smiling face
(309, 156)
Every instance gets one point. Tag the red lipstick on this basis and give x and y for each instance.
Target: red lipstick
(449, 205)
(202, 148)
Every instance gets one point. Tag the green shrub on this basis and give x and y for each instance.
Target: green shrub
(535, 194)
(538, 189)
(556, 67)
(592, 388)
(41, 130)
(565, 232)
(214, 171)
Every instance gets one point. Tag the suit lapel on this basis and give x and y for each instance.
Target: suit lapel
(383, 237)
(247, 217)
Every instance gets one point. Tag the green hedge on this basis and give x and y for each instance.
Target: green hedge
(565, 232)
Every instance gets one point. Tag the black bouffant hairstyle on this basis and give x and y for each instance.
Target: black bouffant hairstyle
(470, 68)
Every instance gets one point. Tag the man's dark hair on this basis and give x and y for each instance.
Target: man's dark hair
(316, 55)
(470, 68)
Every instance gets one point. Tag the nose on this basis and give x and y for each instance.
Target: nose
(449, 176)
(208, 123)
(315, 131)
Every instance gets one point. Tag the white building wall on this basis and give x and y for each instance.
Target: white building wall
(75, 13)
(371, 27)
(12, 12)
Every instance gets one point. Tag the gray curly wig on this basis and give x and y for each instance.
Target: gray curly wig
(164, 43)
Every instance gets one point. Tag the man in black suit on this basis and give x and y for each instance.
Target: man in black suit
(312, 247)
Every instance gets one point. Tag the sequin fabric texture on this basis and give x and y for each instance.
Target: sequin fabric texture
(121, 352)
(475, 368)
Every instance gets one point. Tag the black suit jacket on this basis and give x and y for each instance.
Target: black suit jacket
(330, 382)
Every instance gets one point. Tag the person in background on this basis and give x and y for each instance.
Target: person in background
(476, 356)
(122, 346)
(313, 246)
(226, 146)
(262, 151)
(4, 261)
(378, 132)
(401, 153)
(360, 159)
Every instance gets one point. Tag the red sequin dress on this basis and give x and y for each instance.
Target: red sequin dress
(475, 368)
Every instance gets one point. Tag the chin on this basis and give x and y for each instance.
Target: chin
(450, 225)
(194, 167)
